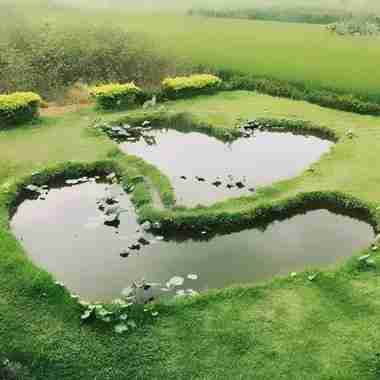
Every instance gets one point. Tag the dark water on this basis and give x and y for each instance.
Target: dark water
(65, 234)
(259, 160)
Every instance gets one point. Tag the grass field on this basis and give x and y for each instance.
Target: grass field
(293, 52)
(302, 53)
(287, 329)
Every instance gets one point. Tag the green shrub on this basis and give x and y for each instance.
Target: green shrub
(18, 107)
(191, 85)
(116, 96)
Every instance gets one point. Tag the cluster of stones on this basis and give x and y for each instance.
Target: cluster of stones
(248, 128)
(40, 191)
(127, 132)
(43, 191)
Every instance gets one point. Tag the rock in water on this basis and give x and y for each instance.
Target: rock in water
(143, 241)
(146, 226)
(175, 281)
(124, 253)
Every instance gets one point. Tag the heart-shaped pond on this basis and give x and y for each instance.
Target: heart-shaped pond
(71, 232)
(204, 170)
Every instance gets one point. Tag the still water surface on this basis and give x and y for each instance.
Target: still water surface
(250, 162)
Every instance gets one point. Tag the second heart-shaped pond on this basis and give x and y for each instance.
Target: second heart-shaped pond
(86, 235)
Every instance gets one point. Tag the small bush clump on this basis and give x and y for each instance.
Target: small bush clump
(116, 95)
(18, 107)
(179, 87)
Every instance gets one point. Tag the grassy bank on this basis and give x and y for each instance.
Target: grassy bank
(291, 328)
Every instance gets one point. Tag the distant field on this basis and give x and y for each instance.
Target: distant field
(294, 52)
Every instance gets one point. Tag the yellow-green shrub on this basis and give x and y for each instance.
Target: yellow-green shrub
(191, 85)
(18, 107)
(116, 95)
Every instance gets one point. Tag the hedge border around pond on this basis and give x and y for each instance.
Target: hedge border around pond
(234, 80)
(18, 108)
(186, 123)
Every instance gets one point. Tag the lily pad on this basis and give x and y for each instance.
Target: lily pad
(86, 315)
(175, 281)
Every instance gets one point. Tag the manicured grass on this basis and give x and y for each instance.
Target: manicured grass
(291, 328)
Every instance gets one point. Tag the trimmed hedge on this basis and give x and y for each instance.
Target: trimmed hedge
(325, 98)
(117, 96)
(298, 15)
(196, 84)
(18, 107)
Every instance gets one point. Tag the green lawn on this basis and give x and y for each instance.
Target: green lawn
(291, 328)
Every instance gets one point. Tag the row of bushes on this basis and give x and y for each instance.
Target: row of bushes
(21, 107)
(274, 87)
(118, 96)
(18, 107)
(298, 15)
